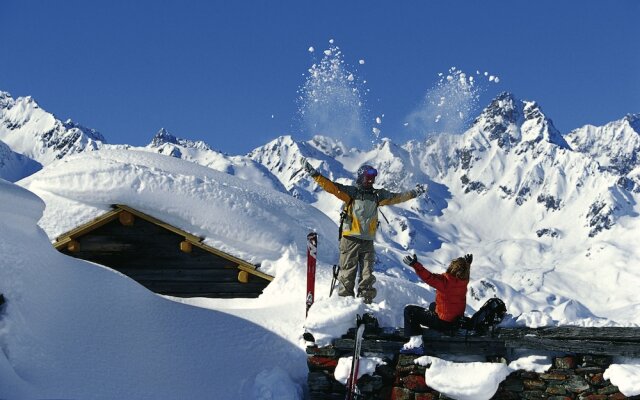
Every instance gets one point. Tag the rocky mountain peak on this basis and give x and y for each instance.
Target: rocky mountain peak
(6, 101)
(510, 122)
(90, 132)
(634, 121)
(500, 120)
(504, 107)
(35, 133)
(163, 137)
(537, 127)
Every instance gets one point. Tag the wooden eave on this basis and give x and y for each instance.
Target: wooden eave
(65, 238)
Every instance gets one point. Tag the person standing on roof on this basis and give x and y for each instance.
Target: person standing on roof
(358, 226)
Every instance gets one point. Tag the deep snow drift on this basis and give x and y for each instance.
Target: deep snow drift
(71, 329)
(68, 324)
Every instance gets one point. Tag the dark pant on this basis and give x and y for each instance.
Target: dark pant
(357, 254)
(415, 316)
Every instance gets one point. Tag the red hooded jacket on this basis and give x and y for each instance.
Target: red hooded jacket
(451, 292)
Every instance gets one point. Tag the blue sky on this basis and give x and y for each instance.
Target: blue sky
(230, 72)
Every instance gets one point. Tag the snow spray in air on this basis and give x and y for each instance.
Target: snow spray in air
(330, 103)
(451, 105)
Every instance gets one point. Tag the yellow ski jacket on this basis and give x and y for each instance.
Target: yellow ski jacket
(361, 206)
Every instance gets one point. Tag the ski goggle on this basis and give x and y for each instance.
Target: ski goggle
(370, 173)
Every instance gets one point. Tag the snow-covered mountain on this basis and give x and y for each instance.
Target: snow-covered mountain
(514, 151)
(14, 166)
(616, 145)
(33, 132)
(283, 158)
(511, 190)
(509, 182)
(551, 220)
(200, 153)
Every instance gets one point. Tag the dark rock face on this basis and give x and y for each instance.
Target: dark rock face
(599, 217)
(551, 232)
(498, 117)
(163, 137)
(549, 201)
(472, 186)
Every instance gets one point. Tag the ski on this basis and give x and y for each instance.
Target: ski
(312, 253)
(352, 381)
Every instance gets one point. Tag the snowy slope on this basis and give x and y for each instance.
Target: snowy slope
(72, 329)
(29, 130)
(14, 166)
(551, 227)
(511, 190)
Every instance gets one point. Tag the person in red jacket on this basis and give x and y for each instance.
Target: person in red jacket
(451, 300)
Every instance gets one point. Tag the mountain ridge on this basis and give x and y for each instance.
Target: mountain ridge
(524, 200)
(33, 132)
(512, 150)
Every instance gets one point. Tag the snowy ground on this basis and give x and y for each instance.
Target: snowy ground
(72, 329)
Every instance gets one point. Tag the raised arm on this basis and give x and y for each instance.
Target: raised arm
(436, 281)
(336, 189)
(388, 198)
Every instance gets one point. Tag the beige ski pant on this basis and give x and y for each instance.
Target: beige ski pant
(357, 255)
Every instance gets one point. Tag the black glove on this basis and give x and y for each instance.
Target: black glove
(410, 260)
(468, 258)
(309, 168)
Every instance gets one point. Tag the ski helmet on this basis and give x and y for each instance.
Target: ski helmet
(366, 173)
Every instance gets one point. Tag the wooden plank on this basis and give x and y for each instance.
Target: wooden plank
(373, 346)
(582, 346)
(162, 224)
(149, 252)
(215, 295)
(197, 241)
(627, 334)
(160, 259)
(456, 347)
(242, 265)
(105, 247)
(62, 240)
(203, 287)
(182, 275)
(619, 341)
(146, 246)
(494, 349)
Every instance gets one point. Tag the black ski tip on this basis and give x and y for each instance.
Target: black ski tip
(308, 337)
(1, 299)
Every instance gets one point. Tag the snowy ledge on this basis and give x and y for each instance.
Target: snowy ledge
(384, 372)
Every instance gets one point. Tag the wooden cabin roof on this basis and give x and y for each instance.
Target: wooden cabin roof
(66, 239)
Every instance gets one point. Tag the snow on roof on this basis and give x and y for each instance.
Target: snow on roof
(249, 221)
(69, 326)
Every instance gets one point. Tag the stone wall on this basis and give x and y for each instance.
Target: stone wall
(571, 377)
